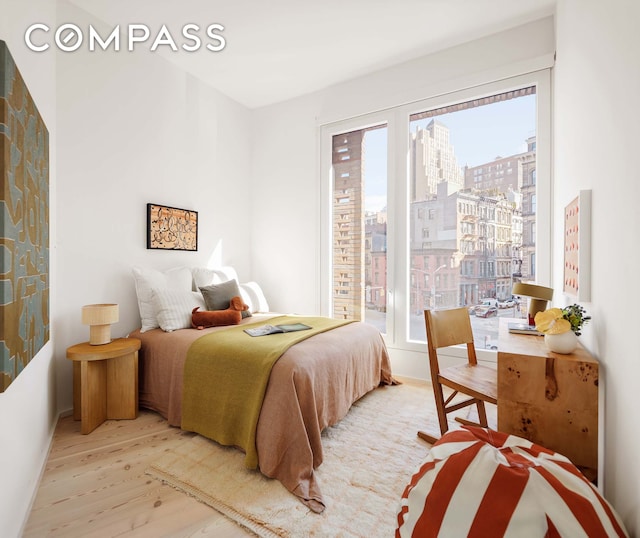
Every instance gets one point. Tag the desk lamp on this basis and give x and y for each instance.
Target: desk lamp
(99, 317)
(539, 296)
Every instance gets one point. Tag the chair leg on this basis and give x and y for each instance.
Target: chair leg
(440, 408)
(482, 414)
(442, 416)
(467, 422)
(427, 437)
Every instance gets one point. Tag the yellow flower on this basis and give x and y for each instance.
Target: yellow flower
(551, 322)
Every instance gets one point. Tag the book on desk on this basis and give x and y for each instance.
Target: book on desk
(524, 328)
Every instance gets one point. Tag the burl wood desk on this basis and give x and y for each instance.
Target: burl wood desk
(549, 398)
(105, 381)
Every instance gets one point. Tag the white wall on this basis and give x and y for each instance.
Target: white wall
(27, 407)
(597, 136)
(285, 176)
(134, 129)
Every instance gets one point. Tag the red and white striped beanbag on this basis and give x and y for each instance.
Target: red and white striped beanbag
(482, 483)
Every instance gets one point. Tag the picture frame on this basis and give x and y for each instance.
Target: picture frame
(171, 228)
(577, 247)
(25, 321)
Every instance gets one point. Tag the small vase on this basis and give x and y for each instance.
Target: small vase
(564, 343)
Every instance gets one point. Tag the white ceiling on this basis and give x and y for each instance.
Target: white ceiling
(280, 49)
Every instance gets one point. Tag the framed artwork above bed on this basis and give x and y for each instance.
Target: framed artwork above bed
(171, 228)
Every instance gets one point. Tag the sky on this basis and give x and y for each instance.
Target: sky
(478, 136)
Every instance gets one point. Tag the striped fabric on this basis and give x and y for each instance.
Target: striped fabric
(481, 483)
(173, 307)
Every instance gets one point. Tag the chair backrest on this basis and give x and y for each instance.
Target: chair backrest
(449, 328)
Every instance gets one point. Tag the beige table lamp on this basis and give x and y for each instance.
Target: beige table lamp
(538, 297)
(99, 317)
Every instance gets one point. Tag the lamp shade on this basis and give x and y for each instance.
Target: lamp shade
(539, 296)
(99, 317)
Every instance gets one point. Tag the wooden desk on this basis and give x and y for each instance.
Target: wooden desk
(105, 381)
(549, 398)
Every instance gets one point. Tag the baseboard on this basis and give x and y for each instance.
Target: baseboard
(412, 380)
(43, 465)
(65, 414)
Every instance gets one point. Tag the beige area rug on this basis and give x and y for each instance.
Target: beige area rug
(369, 457)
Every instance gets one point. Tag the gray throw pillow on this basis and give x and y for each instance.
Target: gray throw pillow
(218, 296)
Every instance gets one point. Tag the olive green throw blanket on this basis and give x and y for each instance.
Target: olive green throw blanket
(225, 380)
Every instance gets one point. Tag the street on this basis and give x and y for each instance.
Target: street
(485, 330)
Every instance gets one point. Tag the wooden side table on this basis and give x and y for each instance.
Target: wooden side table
(549, 398)
(105, 381)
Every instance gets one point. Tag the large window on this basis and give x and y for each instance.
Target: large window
(470, 165)
(438, 204)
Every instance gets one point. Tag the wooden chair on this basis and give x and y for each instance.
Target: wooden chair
(448, 328)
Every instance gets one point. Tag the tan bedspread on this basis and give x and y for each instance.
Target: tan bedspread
(312, 386)
(238, 367)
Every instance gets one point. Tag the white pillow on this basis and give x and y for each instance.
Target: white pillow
(174, 307)
(227, 273)
(253, 296)
(147, 280)
(247, 298)
(206, 277)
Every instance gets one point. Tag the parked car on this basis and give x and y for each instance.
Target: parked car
(490, 344)
(509, 303)
(486, 311)
(484, 303)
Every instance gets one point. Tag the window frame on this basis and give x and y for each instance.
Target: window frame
(397, 122)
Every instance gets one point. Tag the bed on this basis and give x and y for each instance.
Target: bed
(311, 386)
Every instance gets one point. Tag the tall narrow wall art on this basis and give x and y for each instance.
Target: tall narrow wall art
(24, 224)
(577, 247)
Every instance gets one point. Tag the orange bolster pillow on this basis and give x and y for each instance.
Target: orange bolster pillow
(217, 318)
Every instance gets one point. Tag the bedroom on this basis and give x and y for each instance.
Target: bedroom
(177, 127)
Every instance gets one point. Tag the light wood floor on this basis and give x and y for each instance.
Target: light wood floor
(95, 486)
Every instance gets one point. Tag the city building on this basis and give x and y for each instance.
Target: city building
(348, 226)
(433, 161)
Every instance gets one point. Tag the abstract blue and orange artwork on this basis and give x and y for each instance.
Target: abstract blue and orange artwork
(24, 224)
